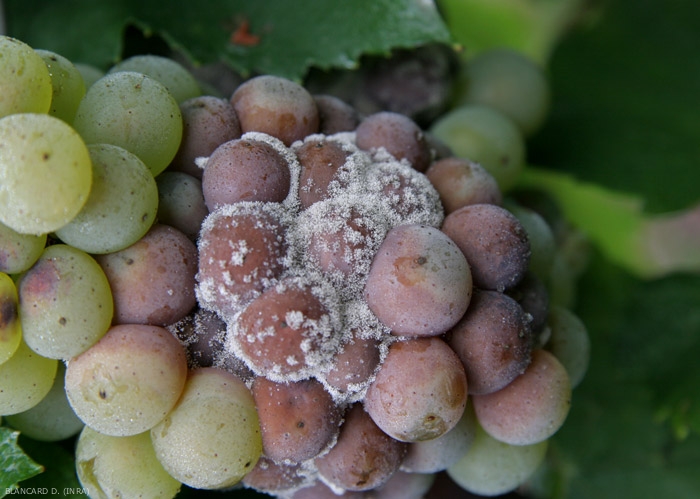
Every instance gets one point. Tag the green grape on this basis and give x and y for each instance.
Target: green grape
(52, 419)
(510, 82)
(542, 240)
(569, 342)
(121, 467)
(25, 83)
(54, 292)
(485, 136)
(176, 78)
(67, 84)
(10, 327)
(89, 73)
(122, 205)
(491, 468)
(45, 170)
(133, 111)
(211, 439)
(25, 379)
(18, 251)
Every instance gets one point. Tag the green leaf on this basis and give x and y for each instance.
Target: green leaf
(14, 463)
(645, 336)
(625, 105)
(274, 36)
(59, 473)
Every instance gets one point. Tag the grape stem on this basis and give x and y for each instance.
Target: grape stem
(650, 246)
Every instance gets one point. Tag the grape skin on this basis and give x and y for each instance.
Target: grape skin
(420, 390)
(396, 133)
(19, 251)
(532, 407)
(133, 111)
(10, 325)
(364, 457)
(211, 438)
(461, 182)
(419, 283)
(25, 379)
(181, 202)
(492, 340)
(67, 85)
(208, 122)
(53, 293)
(298, 420)
(128, 381)
(569, 342)
(46, 170)
(122, 466)
(122, 205)
(245, 170)
(322, 163)
(241, 253)
(24, 79)
(276, 106)
(494, 243)
(335, 115)
(153, 280)
(491, 468)
(52, 419)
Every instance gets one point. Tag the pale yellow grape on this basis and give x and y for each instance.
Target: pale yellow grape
(133, 111)
(25, 83)
(211, 439)
(66, 302)
(121, 467)
(25, 379)
(128, 381)
(18, 251)
(67, 84)
(89, 73)
(176, 78)
(485, 136)
(491, 468)
(10, 327)
(52, 419)
(122, 206)
(45, 173)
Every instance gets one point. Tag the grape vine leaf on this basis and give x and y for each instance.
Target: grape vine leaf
(14, 463)
(272, 36)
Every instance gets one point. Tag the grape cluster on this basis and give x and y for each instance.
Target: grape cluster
(274, 290)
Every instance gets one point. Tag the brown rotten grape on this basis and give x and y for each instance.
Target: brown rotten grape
(276, 106)
(420, 390)
(298, 419)
(419, 283)
(494, 242)
(364, 457)
(493, 341)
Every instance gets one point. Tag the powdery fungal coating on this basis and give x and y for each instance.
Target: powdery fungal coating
(419, 283)
(532, 407)
(493, 340)
(276, 106)
(298, 420)
(289, 331)
(153, 280)
(322, 163)
(363, 458)
(275, 478)
(494, 242)
(420, 390)
(242, 248)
